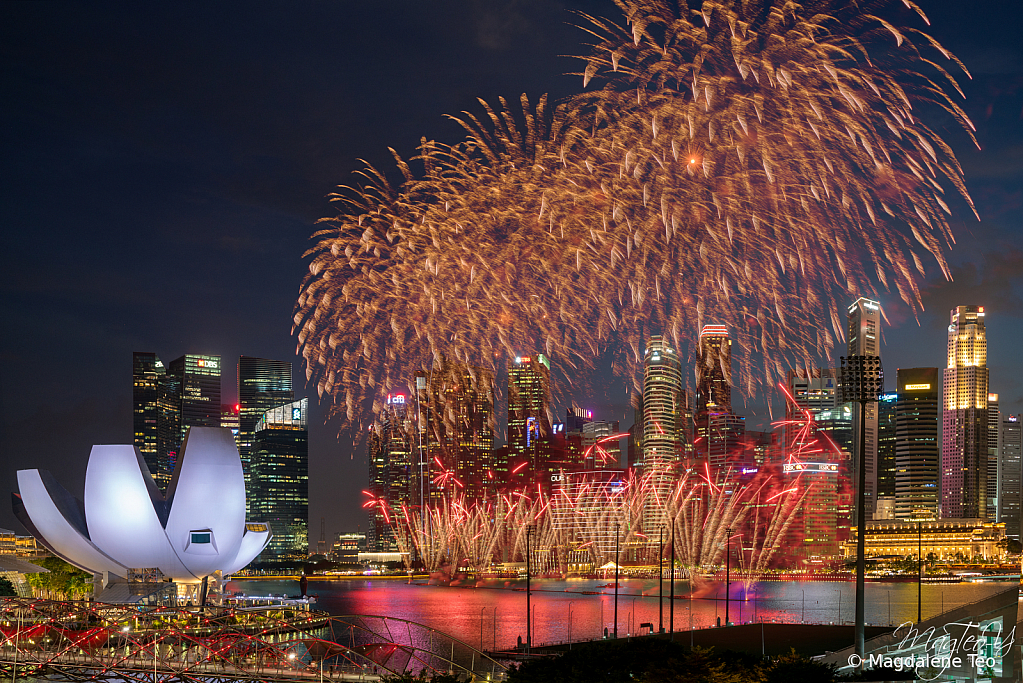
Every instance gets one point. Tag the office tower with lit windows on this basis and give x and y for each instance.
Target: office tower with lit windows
(392, 453)
(262, 384)
(964, 428)
(280, 478)
(529, 425)
(863, 335)
(147, 372)
(229, 418)
(886, 442)
(994, 421)
(1010, 474)
(456, 404)
(662, 413)
(601, 445)
(917, 443)
(188, 395)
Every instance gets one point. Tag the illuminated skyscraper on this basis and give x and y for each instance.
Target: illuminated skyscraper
(529, 425)
(1010, 474)
(917, 443)
(886, 444)
(262, 384)
(863, 334)
(280, 478)
(456, 403)
(600, 445)
(662, 410)
(188, 395)
(964, 429)
(719, 433)
(994, 423)
(147, 372)
(391, 470)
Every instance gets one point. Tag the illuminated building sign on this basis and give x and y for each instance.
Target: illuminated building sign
(397, 399)
(296, 413)
(207, 363)
(532, 430)
(749, 470)
(790, 467)
(887, 398)
(917, 387)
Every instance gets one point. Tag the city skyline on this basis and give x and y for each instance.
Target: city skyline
(68, 366)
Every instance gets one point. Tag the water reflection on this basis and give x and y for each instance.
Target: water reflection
(493, 615)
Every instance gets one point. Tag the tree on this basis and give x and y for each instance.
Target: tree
(6, 587)
(62, 581)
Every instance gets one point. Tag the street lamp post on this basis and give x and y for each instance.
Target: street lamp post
(529, 628)
(919, 570)
(482, 610)
(570, 624)
(861, 381)
(617, 525)
(671, 604)
(728, 568)
(660, 584)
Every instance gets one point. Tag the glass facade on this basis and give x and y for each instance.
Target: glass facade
(262, 384)
(280, 479)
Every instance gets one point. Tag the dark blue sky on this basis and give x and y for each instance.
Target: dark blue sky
(163, 165)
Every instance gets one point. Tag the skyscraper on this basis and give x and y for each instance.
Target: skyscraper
(964, 429)
(391, 461)
(280, 474)
(457, 411)
(864, 327)
(529, 424)
(917, 443)
(147, 372)
(1010, 474)
(886, 445)
(188, 395)
(662, 410)
(262, 384)
(714, 371)
(994, 423)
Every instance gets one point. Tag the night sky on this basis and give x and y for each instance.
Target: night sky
(163, 165)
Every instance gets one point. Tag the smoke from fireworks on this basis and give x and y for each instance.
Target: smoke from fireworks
(749, 163)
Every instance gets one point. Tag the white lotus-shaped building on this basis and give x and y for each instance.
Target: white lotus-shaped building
(197, 529)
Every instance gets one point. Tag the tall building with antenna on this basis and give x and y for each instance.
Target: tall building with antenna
(964, 419)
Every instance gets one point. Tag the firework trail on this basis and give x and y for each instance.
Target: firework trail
(748, 162)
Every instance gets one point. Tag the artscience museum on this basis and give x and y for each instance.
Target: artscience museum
(127, 529)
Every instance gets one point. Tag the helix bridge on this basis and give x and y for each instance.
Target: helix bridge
(87, 641)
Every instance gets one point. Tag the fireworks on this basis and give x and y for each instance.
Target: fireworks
(579, 521)
(750, 163)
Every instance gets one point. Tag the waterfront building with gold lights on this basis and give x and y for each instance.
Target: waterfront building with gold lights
(945, 539)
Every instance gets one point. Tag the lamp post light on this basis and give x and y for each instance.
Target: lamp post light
(728, 568)
(529, 629)
(617, 525)
(861, 381)
(919, 570)
(482, 610)
(570, 624)
(671, 605)
(660, 584)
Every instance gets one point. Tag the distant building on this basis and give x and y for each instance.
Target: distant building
(391, 471)
(279, 464)
(886, 447)
(229, 418)
(346, 547)
(1010, 475)
(917, 445)
(262, 384)
(964, 429)
(994, 421)
(188, 395)
(529, 423)
(456, 414)
(147, 373)
(863, 336)
(945, 539)
(601, 445)
(662, 409)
